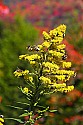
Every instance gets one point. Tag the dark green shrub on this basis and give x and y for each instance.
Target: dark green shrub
(14, 37)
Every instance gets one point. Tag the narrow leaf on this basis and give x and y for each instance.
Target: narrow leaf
(18, 120)
(25, 114)
(23, 103)
(52, 110)
(15, 107)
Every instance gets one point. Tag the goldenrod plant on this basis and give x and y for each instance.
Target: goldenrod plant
(50, 74)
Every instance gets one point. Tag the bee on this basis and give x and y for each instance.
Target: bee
(36, 48)
(30, 48)
(63, 35)
(18, 70)
(64, 57)
(33, 48)
(1, 120)
(75, 74)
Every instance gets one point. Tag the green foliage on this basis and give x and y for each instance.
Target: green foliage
(14, 37)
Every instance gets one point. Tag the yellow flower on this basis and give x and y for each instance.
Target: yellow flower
(40, 47)
(26, 77)
(70, 88)
(32, 62)
(25, 90)
(30, 78)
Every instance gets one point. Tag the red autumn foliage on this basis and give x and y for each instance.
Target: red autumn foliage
(74, 94)
(4, 10)
(48, 13)
(73, 54)
(73, 118)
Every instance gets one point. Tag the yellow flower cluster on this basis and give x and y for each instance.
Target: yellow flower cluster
(63, 72)
(46, 44)
(50, 66)
(60, 47)
(30, 57)
(49, 61)
(60, 77)
(65, 89)
(59, 30)
(55, 53)
(57, 40)
(19, 73)
(62, 87)
(59, 85)
(45, 80)
(46, 35)
(66, 64)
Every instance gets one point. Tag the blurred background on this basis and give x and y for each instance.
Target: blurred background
(21, 24)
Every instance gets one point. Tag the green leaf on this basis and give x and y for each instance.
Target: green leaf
(52, 110)
(38, 117)
(28, 99)
(35, 103)
(41, 106)
(15, 107)
(25, 114)
(31, 85)
(23, 103)
(18, 120)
